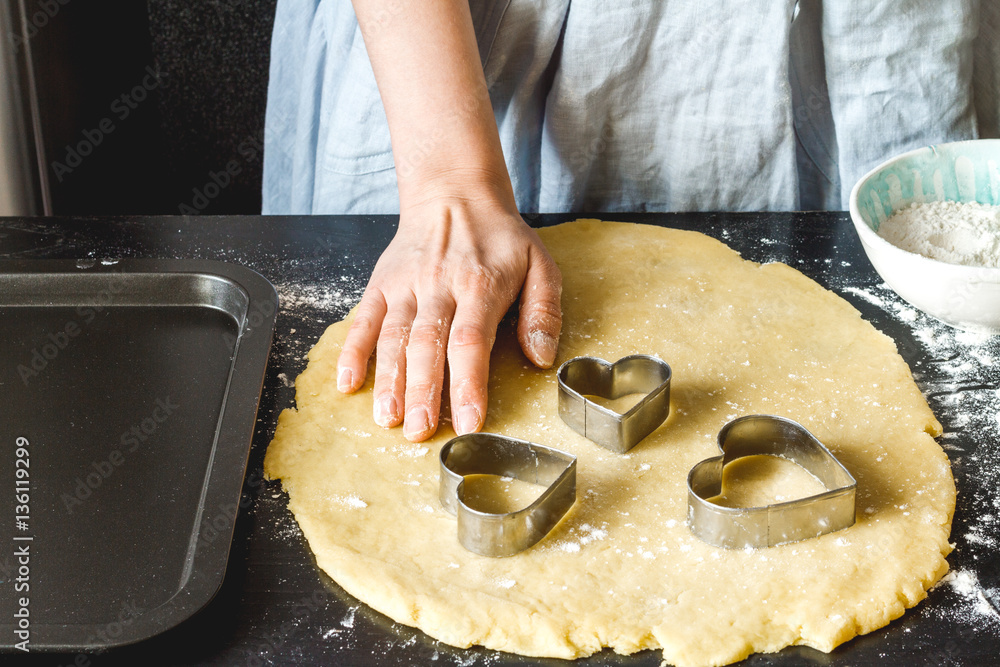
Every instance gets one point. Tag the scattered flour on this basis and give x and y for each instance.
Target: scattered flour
(309, 305)
(333, 295)
(866, 295)
(351, 501)
(410, 451)
(976, 601)
(953, 232)
(959, 374)
(580, 536)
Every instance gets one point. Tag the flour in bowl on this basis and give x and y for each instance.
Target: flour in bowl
(953, 232)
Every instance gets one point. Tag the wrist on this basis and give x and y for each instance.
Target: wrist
(482, 186)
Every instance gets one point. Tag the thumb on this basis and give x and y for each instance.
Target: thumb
(540, 319)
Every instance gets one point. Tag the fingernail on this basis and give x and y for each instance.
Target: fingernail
(345, 380)
(418, 422)
(468, 420)
(386, 414)
(544, 347)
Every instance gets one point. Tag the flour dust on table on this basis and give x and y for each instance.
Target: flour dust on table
(622, 569)
(959, 374)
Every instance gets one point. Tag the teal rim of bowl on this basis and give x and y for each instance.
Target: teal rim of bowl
(963, 171)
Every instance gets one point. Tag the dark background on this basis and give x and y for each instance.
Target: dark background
(195, 76)
(206, 110)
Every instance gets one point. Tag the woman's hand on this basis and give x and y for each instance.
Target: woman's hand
(438, 293)
(462, 253)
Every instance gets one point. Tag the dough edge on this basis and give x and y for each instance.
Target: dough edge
(545, 638)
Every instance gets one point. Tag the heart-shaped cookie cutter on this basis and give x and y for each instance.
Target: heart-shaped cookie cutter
(635, 374)
(490, 454)
(779, 523)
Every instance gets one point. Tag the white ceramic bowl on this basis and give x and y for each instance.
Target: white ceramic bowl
(963, 296)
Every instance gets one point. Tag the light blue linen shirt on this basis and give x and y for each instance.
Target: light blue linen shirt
(639, 105)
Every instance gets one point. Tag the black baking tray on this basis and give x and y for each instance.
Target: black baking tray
(130, 390)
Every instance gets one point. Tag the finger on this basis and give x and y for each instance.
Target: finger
(425, 360)
(473, 333)
(540, 319)
(390, 364)
(352, 364)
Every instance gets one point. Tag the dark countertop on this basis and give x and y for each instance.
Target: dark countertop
(276, 607)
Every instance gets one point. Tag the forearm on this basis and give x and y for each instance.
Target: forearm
(426, 63)
(462, 253)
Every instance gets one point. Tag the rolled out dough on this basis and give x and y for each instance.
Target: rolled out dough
(623, 570)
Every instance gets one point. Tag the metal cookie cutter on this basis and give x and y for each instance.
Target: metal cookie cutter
(488, 454)
(780, 523)
(638, 373)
